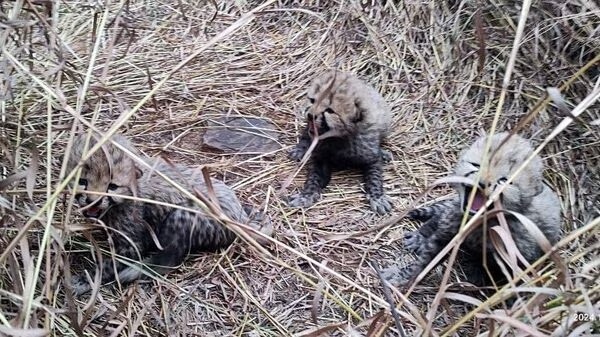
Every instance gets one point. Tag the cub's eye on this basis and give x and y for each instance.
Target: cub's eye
(311, 100)
(112, 186)
(329, 111)
(502, 180)
(474, 164)
(83, 182)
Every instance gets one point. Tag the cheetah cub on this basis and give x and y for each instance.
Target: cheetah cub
(351, 119)
(155, 234)
(527, 195)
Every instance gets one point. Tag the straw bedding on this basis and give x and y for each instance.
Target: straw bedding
(449, 70)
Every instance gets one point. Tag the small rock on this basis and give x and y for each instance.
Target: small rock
(241, 134)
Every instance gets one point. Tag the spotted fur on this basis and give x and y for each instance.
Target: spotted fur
(527, 195)
(351, 119)
(130, 223)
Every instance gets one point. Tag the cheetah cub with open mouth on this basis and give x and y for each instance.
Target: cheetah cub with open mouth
(158, 235)
(351, 119)
(526, 194)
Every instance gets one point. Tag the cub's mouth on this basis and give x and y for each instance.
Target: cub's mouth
(479, 199)
(92, 212)
(321, 129)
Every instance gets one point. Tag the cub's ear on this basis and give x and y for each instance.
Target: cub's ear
(537, 167)
(358, 112)
(540, 187)
(138, 173)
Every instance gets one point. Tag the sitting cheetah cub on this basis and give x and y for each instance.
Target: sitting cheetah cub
(527, 195)
(351, 119)
(132, 224)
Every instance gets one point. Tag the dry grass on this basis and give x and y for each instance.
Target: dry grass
(159, 70)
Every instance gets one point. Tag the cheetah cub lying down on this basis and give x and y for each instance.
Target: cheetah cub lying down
(527, 195)
(351, 119)
(132, 224)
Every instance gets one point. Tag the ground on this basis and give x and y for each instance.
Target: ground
(446, 69)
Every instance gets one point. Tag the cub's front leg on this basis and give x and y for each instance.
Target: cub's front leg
(319, 175)
(401, 276)
(123, 250)
(176, 235)
(298, 151)
(373, 176)
(444, 216)
(441, 225)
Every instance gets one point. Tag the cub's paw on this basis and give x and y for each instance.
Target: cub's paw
(80, 285)
(262, 223)
(297, 153)
(266, 229)
(303, 200)
(414, 241)
(386, 156)
(396, 275)
(381, 205)
(421, 214)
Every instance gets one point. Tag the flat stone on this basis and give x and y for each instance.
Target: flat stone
(241, 135)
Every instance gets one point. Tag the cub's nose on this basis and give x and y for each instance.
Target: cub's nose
(83, 199)
(310, 116)
(485, 187)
